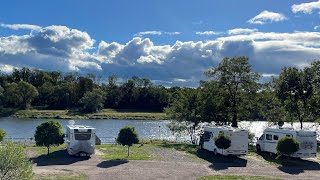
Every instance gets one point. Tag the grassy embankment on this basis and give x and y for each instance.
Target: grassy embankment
(75, 114)
(230, 177)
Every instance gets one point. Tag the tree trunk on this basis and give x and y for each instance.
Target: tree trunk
(301, 124)
(48, 147)
(234, 120)
(128, 150)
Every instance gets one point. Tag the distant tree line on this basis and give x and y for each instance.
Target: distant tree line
(25, 87)
(231, 93)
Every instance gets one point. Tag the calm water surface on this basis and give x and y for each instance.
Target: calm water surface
(108, 130)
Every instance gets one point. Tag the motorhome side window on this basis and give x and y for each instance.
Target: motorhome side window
(207, 136)
(275, 137)
(268, 137)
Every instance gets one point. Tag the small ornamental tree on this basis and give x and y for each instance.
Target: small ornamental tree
(2, 134)
(49, 133)
(222, 141)
(127, 137)
(13, 163)
(287, 146)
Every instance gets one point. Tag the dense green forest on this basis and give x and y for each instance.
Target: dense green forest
(231, 93)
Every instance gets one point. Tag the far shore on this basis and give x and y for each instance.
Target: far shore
(76, 114)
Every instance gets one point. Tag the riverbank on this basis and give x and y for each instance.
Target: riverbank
(75, 114)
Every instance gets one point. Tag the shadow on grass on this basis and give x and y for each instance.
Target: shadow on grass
(111, 163)
(218, 162)
(291, 165)
(60, 157)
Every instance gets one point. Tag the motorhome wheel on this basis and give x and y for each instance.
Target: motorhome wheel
(258, 148)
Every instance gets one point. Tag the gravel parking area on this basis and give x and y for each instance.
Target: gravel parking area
(171, 164)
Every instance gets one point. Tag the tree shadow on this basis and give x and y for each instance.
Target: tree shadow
(111, 163)
(220, 162)
(60, 157)
(291, 165)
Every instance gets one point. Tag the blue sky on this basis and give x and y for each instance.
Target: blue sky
(169, 41)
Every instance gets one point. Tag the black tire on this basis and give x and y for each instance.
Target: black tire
(201, 146)
(258, 148)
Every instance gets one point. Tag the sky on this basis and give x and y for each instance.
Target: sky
(171, 42)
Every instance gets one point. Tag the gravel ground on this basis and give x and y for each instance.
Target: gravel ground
(170, 164)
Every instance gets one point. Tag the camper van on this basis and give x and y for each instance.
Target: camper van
(239, 140)
(80, 140)
(307, 141)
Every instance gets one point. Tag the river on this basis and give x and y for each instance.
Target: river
(108, 130)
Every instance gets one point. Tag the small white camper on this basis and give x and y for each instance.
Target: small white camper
(307, 141)
(80, 140)
(239, 140)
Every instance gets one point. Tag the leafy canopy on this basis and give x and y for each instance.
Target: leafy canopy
(235, 76)
(13, 163)
(2, 134)
(49, 133)
(287, 146)
(222, 141)
(128, 136)
(93, 100)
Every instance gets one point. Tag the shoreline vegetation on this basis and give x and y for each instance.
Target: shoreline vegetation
(130, 114)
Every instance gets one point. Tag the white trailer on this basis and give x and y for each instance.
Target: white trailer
(307, 141)
(238, 137)
(80, 140)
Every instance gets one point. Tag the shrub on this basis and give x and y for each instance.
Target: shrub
(13, 163)
(127, 137)
(222, 141)
(2, 134)
(287, 146)
(49, 133)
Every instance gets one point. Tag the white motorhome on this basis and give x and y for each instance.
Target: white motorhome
(307, 141)
(80, 140)
(238, 137)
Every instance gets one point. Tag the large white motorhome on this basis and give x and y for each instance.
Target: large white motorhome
(307, 141)
(80, 140)
(238, 137)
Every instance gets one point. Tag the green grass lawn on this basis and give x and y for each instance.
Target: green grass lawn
(231, 177)
(75, 114)
(117, 152)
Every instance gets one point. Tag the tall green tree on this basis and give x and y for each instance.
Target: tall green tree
(235, 76)
(294, 89)
(185, 109)
(93, 100)
(127, 137)
(14, 164)
(21, 94)
(48, 134)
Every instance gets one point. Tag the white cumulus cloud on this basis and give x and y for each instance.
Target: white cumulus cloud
(182, 63)
(267, 17)
(241, 31)
(207, 33)
(21, 26)
(158, 33)
(306, 8)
